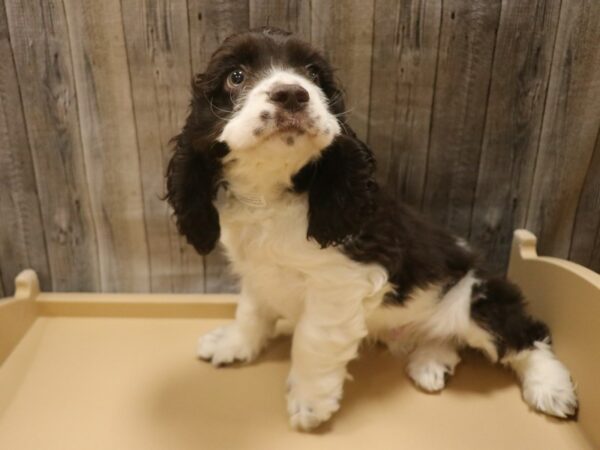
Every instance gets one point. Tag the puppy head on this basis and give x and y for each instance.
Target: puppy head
(281, 94)
(265, 94)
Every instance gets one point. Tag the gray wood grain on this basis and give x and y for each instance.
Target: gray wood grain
(484, 114)
(405, 47)
(211, 21)
(520, 73)
(3, 292)
(290, 15)
(569, 130)
(344, 30)
(156, 34)
(585, 243)
(22, 242)
(109, 142)
(50, 107)
(594, 263)
(467, 40)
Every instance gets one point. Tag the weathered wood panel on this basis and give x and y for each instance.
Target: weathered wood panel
(158, 50)
(48, 92)
(405, 47)
(211, 21)
(344, 30)
(484, 114)
(291, 15)
(520, 73)
(109, 142)
(21, 232)
(467, 40)
(594, 263)
(3, 292)
(585, 244)
(570, 127)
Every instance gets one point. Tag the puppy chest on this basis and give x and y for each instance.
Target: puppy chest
(270, 251)
(273, 235)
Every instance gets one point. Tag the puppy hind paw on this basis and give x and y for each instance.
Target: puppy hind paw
(431, 366)
(430, 376)
(545, 381)
(555, 399)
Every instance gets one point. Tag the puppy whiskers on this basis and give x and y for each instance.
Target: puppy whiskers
(213, 107)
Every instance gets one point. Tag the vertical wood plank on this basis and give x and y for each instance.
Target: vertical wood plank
(42, 55)
(594, 263)
(211, 21)
(156, 34)
(569, 129)
(22, 243)
(290, 15)
(520, 74)
(3, 292)
(467, 40)
(344, 30)
(585, 243)
(109, 142)
(405, 46)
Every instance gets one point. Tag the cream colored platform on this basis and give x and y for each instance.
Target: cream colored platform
(111, 372)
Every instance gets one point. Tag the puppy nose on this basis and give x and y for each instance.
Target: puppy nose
(291, 97)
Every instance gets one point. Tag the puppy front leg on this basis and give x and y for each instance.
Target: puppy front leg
(326, 338)
(241, 340)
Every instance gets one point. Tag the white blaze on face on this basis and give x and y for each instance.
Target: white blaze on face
(258, 121)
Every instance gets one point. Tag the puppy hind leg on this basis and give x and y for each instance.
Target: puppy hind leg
(506, 333)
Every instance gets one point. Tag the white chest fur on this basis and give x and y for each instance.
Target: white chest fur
(279, 266)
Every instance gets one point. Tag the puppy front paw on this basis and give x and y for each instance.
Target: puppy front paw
(309, 406)
(226, 345)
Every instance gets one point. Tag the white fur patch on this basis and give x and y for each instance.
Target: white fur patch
(452, 315)
(431, 363)
(225, 345)
(546, 382)
(310, 404)
(243, 339)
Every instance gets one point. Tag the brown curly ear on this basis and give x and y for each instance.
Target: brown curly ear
(193, 174)
(341, 190)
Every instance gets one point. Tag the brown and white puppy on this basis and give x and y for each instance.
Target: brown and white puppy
(267, 164)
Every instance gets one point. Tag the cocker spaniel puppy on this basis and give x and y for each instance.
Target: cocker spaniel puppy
(268, 165)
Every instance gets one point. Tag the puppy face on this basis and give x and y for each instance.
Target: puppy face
(267, 116)
(267, 88)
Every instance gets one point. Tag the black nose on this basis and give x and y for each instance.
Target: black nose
(292, 97)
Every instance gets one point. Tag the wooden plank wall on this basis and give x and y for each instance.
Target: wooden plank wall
(483, 114)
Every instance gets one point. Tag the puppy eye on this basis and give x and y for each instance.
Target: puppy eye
(313, 73)
(236, 77)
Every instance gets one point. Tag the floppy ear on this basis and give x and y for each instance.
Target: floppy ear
(341, 190)
(193, 174)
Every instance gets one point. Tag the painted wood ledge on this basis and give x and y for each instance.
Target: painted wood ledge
(80, 304)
